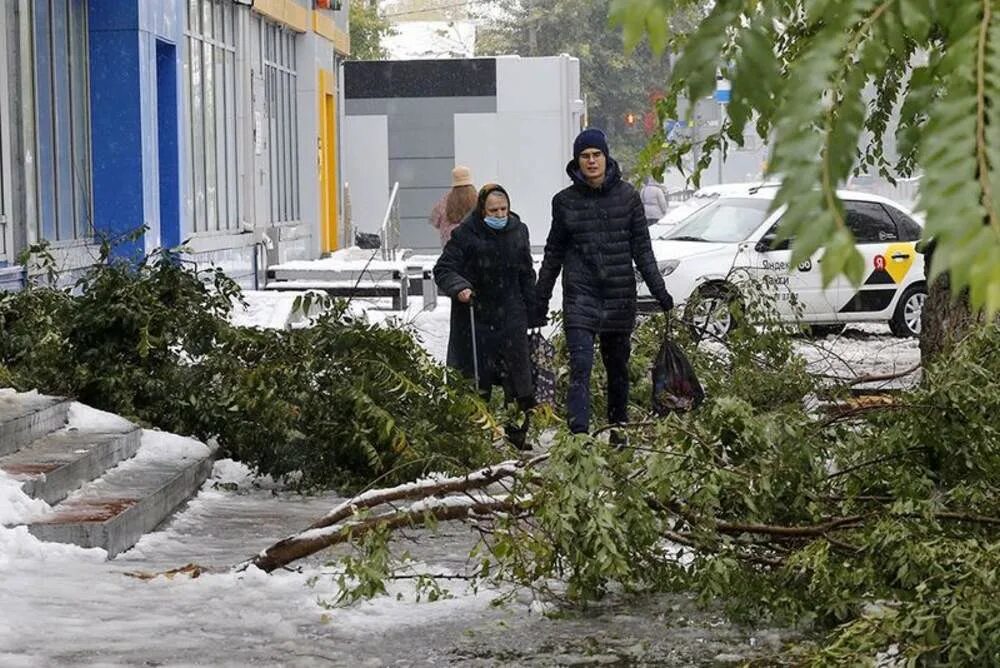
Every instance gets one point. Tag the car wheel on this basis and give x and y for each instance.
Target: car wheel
(822, 331)
(710, 312)
(906, 320)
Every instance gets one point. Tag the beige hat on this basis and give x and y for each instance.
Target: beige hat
(461, 176)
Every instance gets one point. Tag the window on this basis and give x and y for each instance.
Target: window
(870, 222)
(725, 220)
(280, 76)
(211, 202)
(62, 104)
(909, 229)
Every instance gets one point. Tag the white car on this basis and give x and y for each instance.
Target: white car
(734, 234)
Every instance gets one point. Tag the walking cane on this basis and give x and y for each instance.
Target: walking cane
(475, 352)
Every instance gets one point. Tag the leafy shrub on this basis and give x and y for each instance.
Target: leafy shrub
(343, 402)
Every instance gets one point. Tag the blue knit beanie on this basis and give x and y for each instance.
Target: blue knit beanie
(590, 138)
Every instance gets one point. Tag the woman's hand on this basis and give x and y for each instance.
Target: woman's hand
(465, 296)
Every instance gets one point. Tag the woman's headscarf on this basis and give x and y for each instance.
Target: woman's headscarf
(485, 192)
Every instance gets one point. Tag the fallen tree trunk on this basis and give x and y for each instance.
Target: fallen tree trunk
(334, 527)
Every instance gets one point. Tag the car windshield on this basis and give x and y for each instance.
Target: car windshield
(723, 221)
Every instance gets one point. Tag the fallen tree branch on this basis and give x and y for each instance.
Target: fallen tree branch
(311, 541)
(806, 531)
(423, 489)
(879, 378)
(878, 460)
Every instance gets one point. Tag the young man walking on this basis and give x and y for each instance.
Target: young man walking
(598, 230)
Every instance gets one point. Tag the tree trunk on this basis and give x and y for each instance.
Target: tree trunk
(945, 320)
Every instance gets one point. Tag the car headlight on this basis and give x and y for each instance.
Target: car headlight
(667, 267)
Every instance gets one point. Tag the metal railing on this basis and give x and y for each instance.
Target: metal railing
(348, 233)
(390, 225)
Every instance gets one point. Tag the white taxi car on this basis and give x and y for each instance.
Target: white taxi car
(733, 236)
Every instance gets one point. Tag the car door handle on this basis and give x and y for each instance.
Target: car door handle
(901, 256)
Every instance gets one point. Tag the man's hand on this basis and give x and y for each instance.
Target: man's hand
(667, 305)
(465, 296)
(537, 320)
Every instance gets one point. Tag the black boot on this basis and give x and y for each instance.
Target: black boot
(618, 439)
(517, 436)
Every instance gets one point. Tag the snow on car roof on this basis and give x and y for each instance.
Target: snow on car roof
(769, 190)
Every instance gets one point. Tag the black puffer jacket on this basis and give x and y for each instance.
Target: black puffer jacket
(596, 234)
(497, 267)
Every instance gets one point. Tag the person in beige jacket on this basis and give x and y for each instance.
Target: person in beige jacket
(456, 204)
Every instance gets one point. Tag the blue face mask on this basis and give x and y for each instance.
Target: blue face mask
(496, 223)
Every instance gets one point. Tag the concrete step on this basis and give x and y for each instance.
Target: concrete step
(55, 465)
(26, 417)
(114, 511)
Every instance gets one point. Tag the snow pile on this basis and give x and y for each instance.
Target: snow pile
(16, 507)
(21, 552)
(230, 474)
(265, 309)
(81, 416)
(161, 446)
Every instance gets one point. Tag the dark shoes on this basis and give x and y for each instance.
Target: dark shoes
(517, 436)
(618, 439)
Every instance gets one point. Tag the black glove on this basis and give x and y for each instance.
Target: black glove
(668, 304)
(536, 320)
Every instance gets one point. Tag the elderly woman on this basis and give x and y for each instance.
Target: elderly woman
(487, 267)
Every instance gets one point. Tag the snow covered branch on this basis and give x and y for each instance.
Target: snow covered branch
(347, 521)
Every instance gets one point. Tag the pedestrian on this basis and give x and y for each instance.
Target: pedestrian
(486, 268)
(653, 201)
(598, 230)
(455, 204)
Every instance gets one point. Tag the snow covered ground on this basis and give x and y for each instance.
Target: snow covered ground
(63, 605)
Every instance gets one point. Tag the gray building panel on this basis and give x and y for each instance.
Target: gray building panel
(417, 108)
(422, 143)
(415, 202)
(417, 234)
(432, 173)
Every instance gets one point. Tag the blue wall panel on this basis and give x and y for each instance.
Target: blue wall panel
(167, 144)
(117, 127)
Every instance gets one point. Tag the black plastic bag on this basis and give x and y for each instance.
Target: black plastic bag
(367, 240)
(543, 368)
(675, 386)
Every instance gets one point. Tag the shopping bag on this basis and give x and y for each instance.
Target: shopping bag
(675, 385)
(543, 368)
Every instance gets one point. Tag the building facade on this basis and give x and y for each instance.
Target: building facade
(512, 120)
(159, 122)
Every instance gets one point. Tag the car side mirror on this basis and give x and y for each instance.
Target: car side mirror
(766, 243)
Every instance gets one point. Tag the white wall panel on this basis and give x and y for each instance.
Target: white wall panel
(366, 168)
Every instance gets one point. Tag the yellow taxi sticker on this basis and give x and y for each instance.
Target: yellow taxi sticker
(899, 258)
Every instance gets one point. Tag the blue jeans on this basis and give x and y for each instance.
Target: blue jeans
(616, 347)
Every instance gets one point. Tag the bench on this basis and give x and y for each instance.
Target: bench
(396, 289)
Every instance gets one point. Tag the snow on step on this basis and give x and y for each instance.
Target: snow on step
(55, 465)
(27, 416)
(114, 511)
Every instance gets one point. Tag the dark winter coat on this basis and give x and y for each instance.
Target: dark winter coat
(497, 267)
(596, 235)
